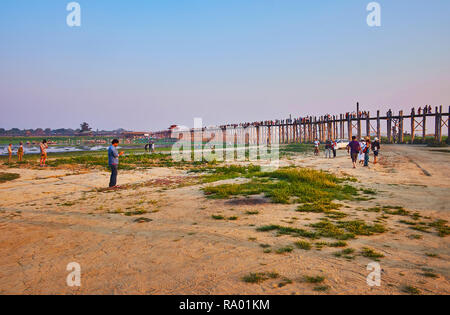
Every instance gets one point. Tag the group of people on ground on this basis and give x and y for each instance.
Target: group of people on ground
(330, 148)
(43, 146)
(360, 150)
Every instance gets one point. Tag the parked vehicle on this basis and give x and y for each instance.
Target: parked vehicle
(341, 144)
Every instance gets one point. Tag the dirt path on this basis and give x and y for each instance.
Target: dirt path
(49, 218)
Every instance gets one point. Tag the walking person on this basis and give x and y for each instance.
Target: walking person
(113, 161)
(43, 147)
(328, 148)
(353, 148)
(10, 152)
(375, 149)
(334, 147)
(316, 147)
(20, 152)
(362, 146)
(367, 152)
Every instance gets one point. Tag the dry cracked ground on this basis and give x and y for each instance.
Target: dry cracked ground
(166, 237)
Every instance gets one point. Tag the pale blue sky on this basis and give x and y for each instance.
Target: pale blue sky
(144, 65)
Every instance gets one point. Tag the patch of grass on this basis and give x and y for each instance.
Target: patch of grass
(214, 174)
(430, 274)
(410, 290)
(318, 207)
(395, 210)
(264, 245)
(371, 253)
(284, 250)
(285, 281)
(259, 277)
(369, 191)
(326, 228)
(218, 217)
(303, 245)
(321, 288)
(136, 212)
(358, 227)
(68, 204)
(407, 222)
(432, 255)
(282, 230)
(338, 244)
(233, 218)
(415, 236)
(288, 185)
(345, 253)
(314, 279)
(252, 212)
(420, 228)
(336, 215)
(441, 226)
(6, 177)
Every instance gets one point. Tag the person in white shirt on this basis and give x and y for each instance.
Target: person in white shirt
(362, 144)
(316, 147)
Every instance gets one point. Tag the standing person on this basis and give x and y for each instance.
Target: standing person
(10, 152)
(362, 146)
(334, 147)
(43, 147)
(113, 161)
(316, 147)
(375, 149)
(20, 152)
(328, 148)
(367, 152)
(353, 148)
(152, 147)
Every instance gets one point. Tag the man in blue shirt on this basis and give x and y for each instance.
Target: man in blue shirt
(113, 161)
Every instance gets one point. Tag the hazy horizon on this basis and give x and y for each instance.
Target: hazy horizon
(144, 65)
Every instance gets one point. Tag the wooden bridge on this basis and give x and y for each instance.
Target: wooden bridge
(343, 126)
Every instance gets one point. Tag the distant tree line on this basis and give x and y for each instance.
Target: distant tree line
(83, 130)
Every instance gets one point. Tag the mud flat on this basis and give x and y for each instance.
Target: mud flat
(162, 234)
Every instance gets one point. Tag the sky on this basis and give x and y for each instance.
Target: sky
(144, 65)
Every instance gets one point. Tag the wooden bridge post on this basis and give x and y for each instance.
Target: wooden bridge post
(389, 126)
(424, 126)
(400, 127)
(358, 115)
(413, 125)
(378, 125)
(436, 124)
(448, 125)
(257, 136)
(439, 113)
(368, 125)
(341, 125)
(349, 127)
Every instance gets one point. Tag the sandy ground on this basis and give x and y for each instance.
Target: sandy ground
(49, 218)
